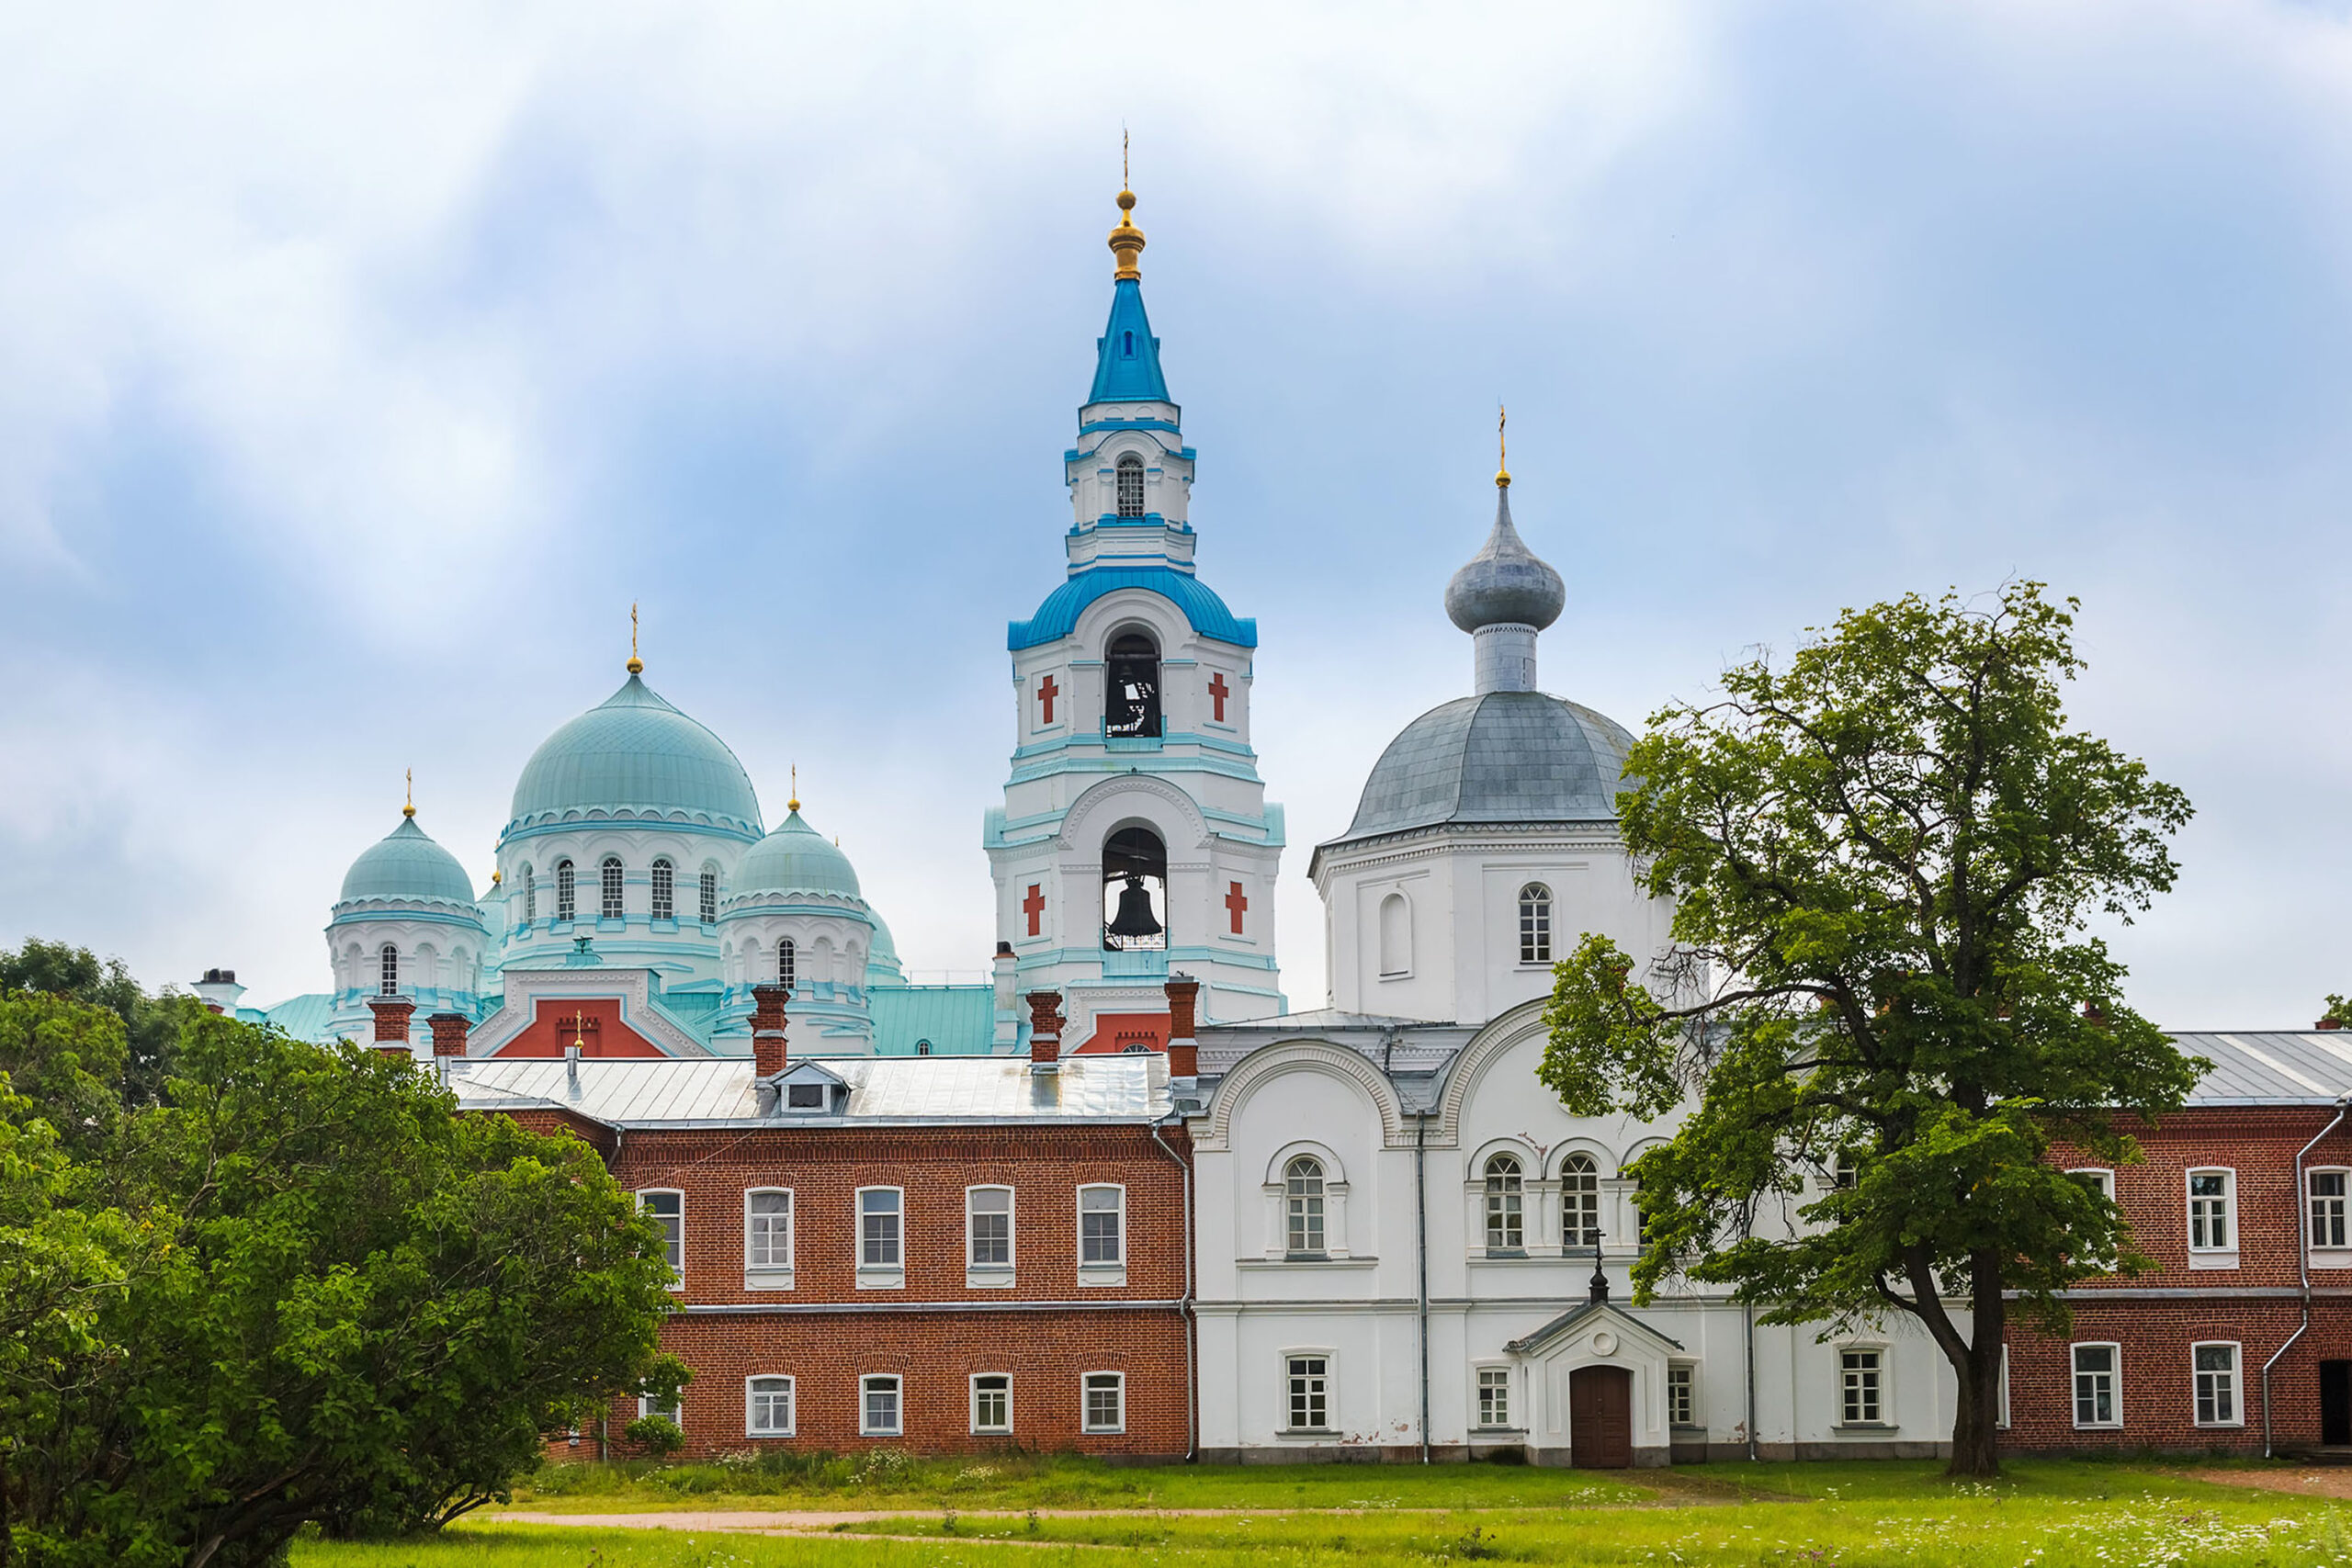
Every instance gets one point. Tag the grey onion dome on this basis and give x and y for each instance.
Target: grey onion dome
(1494, 758)
(1505, 584)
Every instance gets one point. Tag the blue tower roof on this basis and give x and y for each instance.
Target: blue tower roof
(1057, 616)
(1126, 368)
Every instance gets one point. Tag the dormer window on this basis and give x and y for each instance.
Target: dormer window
(1131, 696)
(1130, 478)
(804, 1097)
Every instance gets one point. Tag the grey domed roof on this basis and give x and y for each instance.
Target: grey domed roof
(1505, 584)
(1499, 757)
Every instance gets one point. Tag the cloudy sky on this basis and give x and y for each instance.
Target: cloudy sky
(357, 374)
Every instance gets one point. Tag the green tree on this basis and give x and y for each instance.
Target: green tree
(303, 1289)
(1884, 858)
(151, 1025)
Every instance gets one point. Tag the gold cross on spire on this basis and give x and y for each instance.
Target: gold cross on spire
(793, 804)
(1126, 239)
(1502, 447)
(636, 665)
(408, 801)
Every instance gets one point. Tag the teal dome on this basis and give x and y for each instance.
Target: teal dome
(406, 864)
(882, 965)
(634, 755)
(796, 857)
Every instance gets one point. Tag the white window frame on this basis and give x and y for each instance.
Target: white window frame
(1128, 463)
(992, 1276)
(1086, 1386)
(567, 891)
(678, 1241)
(612, 888)
(665, 889)
(2102, 1178)
(1107, 1271)
(891, 1275)
(1696, 1415)
(2235, 1374)
(866, 1389)
(1497, 1219)
(707, 896)
(1881, 1386)
(2322, 1238)
(530, 894)
(1573, 1200)
(387, 970)
(1307, 1216)
(1326, 1390)
(2221, 1253)
(1480, 1413)
(771, 1275)
(1535, 906)
(675, 1410)
(2114, 1374)
(979, 1430)
(791, 1405)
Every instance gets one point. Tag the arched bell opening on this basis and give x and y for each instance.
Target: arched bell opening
(1134, 891)
(1131, 691)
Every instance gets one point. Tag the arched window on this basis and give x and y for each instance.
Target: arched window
(1303, 1206)
(530, 897)
(1396, 935)
(1505, 1228)
(784, 963)
(665, 892)
(1130, 476)
(1131, 692)
(564, 909)
(390, 959)
(1580, 1201)
(1536, 924)
(1134, 891)
(710, 894)
(609, 879)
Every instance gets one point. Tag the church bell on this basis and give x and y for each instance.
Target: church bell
(1133, 917)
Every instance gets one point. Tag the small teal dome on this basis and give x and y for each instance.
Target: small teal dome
(882, 965)
(635, 755)
(796, 857)
(407, 863)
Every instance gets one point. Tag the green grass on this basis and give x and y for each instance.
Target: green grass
(2048, 1514)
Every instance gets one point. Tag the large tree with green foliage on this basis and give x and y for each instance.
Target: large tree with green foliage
(151, 1023)
(1884, 856)
(300, 1288)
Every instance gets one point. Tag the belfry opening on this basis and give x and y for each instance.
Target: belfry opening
(1131, 691)
(1134, 891)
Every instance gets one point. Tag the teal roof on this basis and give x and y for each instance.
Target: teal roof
(796, 857)
(958, 1021)
(405, 864)
(635, 754)
(1126, 362)
(1057, 616)
(305, 1018)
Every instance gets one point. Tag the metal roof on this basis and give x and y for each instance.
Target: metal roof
(882, 1088)
(2265, 1067)
(957, 1019)
(1513, 757)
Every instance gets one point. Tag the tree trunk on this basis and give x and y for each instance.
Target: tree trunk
(1975, 1427)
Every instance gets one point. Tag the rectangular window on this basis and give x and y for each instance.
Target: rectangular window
(1681, 1394)
(1310, 1392)
(664, 892)
(2212, 1226)
(2327, 1192)
(804, 1097)
(2099, 1181)
(708, 902)
(992, 1403)
(669, 1212)
(767, 1232)
(1860, 1380)
(673, 1413)
(2216, 1372)
(767, 1407)
(877, 1227)
(878, 1415)
(2097, 1397)
(1493, 1396)
(1101, 1230)
(1106, 1402)
(988, 1219)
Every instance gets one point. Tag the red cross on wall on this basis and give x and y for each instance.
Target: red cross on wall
(1046, 693)
(1218, 692)
(1235, 902)
(1033, 906)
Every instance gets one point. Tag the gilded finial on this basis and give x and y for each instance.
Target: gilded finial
(636, 665)
(794, 803)
(408, 800)
(1126, 239)
(1502, 447)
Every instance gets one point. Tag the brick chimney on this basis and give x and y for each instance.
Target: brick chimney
(1183, 1054)
(392, 1022)
(449, 1034)
(2330, 1021)
(767, 1029)
(1044, 1028)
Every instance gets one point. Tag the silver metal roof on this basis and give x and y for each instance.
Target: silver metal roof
(882, 1088)
(1501, 757)
(2263, 1067)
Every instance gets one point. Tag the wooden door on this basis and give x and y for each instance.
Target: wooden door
(1601, 1418)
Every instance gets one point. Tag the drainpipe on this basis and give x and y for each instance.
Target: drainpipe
(1747, 1318)
(1422, 1256)
(2303, 1265)
(1191, 1318)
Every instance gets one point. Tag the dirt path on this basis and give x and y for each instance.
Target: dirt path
(2311, 1480)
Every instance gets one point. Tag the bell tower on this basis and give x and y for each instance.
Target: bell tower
(1135, 839)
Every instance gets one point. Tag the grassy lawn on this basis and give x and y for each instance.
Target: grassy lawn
(2053, 1515)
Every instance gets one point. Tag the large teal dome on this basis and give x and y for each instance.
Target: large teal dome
(634, 755)
(406, 864)
(796, 857)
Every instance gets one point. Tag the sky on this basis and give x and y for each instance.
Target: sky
(359, 369)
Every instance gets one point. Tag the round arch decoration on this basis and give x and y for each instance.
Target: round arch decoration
(1279, 1058)
(1507, 1031)
(1077, 831)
